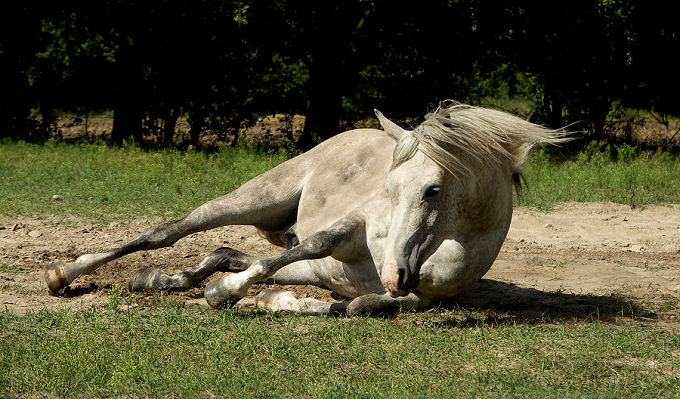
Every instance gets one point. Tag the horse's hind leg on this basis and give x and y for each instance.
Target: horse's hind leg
(224, 259)
(277, 300)
(338, 238)
(268, 201)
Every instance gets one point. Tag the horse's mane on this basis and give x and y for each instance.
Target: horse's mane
(461, 138)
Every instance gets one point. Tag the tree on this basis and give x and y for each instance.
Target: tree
(18, 44)
(577, 51)
(653, 35)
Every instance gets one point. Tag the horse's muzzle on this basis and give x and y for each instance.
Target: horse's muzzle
(398, 276)
(406, 282)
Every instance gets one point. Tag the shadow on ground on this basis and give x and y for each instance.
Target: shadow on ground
(79, 290)
(496, 302)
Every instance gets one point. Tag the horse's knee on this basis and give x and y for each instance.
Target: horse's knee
(321, 244)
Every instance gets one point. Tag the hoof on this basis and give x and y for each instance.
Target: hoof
(224, 292)
(144, 279)
(55, 277)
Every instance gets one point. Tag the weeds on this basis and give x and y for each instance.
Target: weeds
(115, 297)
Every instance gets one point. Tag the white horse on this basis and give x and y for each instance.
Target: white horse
(394, 219)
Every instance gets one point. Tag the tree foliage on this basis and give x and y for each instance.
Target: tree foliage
(221, 64)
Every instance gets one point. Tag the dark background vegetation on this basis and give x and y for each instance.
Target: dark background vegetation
(222, 64)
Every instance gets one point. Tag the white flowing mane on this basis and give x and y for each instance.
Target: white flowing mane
(461, 138)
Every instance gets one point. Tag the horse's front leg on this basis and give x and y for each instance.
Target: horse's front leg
(338, 239)
(277, 300)
(385, 304)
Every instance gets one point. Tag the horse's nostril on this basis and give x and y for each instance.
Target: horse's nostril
(400, 280)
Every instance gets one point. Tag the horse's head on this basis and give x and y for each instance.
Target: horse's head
(437, 172)
(421, 194)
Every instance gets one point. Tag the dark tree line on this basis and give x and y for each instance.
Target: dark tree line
(221, 64)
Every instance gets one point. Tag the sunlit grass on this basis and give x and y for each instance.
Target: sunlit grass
(101, 183)
(104, 184)
(171, 350)
(602, 173)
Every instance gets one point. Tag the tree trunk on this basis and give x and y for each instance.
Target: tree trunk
(127, 122)
(169, 125)
(196, 125)
(323, 115)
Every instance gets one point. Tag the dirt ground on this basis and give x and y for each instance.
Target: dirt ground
(576, 260)
(274, 130)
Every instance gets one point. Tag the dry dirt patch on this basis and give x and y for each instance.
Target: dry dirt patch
(279, 129)
(574, 258)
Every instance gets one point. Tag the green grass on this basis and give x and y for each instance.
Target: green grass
(169, 350)
(602, 173)
(103, 184)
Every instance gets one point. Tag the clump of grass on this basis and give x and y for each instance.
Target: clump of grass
(115, 297)
(601, 173)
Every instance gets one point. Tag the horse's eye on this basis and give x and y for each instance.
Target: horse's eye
(432, 191)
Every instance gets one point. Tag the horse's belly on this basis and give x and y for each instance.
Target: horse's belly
(347, 279)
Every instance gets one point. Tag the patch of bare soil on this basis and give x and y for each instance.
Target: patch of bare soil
(600, 259)
(651, 133)
(580, 260)
(279, 129)
(274, 130)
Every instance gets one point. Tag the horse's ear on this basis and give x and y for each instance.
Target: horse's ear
(389, 127)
